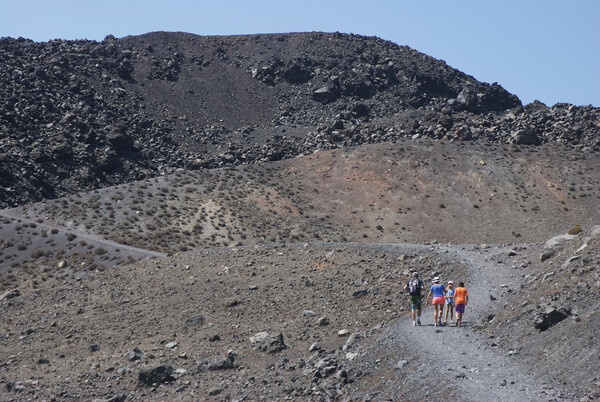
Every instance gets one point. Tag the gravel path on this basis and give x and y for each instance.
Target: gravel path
(464, 358)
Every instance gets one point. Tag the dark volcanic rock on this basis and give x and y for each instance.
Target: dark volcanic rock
(78, 115)
(156, 375)
(194, 321)
(325, 94)
(548, 317)
(525, 137)
(220, 363)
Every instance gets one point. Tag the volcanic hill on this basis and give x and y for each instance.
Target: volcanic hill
(78, 115)
(234, 218)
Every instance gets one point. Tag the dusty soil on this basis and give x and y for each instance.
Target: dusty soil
(74, 337)
(404, 192)
(237, 292)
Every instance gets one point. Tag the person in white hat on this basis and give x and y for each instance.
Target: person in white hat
(449, 303)
(438, 300)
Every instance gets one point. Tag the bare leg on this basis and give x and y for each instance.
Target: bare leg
(437, 314)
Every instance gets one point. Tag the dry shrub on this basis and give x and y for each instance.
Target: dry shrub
(575, 230)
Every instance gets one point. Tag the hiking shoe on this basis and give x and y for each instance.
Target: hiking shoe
(414, 323)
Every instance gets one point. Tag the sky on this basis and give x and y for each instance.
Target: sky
(547, 50)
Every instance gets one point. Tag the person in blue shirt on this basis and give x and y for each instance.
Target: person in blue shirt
(438, 300)
(449, 303)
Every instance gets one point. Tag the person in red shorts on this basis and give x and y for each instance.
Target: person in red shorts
(461, 298)
(438, 301)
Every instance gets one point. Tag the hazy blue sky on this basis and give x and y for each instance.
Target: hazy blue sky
(537, 49)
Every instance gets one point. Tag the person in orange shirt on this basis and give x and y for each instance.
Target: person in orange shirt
(461, 298)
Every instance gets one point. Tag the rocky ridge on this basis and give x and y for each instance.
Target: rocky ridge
(78, 115)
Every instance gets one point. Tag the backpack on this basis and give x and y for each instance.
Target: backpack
(413, 287)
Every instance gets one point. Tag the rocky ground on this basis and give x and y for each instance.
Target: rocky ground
(190, 312)
(300, 321)
(82, 319)
(233, 218)
(551, 317)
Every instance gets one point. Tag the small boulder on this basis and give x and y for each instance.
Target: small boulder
(268, 343)
(525, 137)
(156, 375)
(360, 293)
(401, 364)
(554, 245)
(325, 94)
(558, 241)
(10, 294)
(221, 363)
(549, 316)
(134, 355)
(194, 321)
(120, 142)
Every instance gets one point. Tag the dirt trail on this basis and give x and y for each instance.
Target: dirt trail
(466, 359)
(87, 236)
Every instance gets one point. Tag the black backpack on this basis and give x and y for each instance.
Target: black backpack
(413, 287)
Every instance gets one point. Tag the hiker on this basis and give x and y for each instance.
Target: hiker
(449, 296)
(415, 286)
(438, 300)
(461, 298)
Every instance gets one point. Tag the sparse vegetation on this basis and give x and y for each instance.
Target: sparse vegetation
(575, 230)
